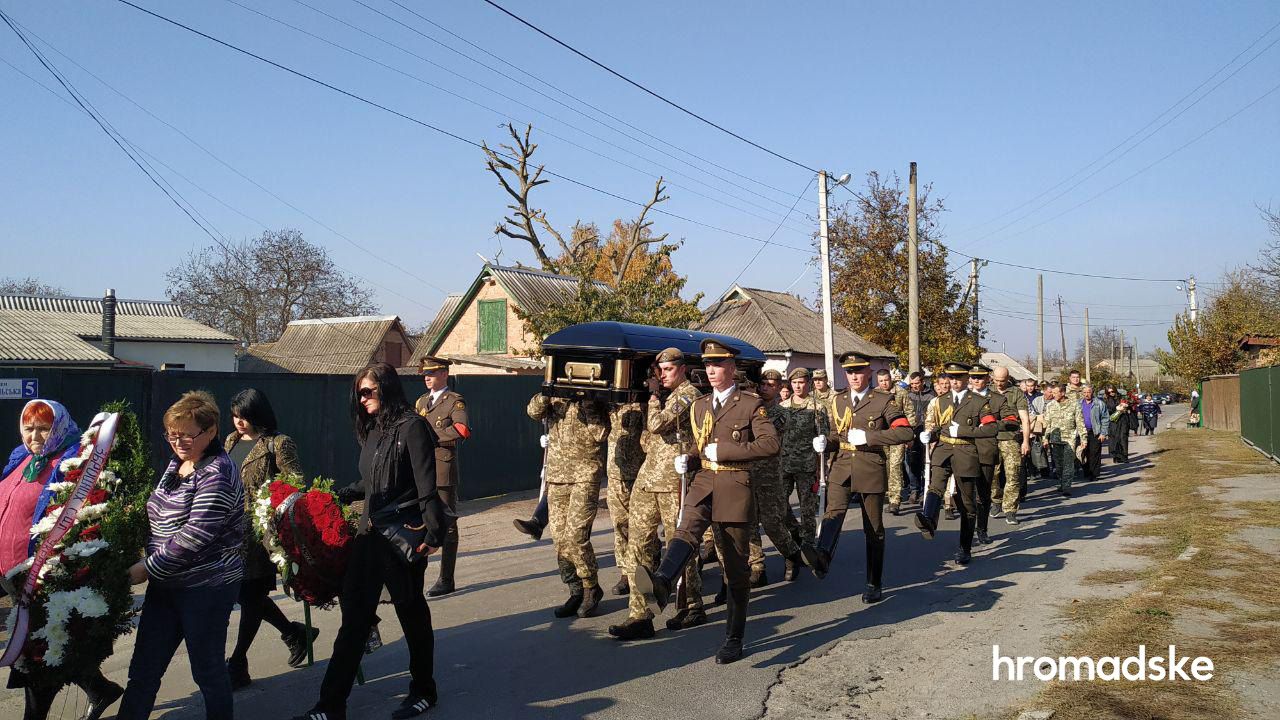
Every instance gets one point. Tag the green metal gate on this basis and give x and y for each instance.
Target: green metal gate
(1260, 409)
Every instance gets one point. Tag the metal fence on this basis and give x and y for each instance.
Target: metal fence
(1260, 409)
(502, 455)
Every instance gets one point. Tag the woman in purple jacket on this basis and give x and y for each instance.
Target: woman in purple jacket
(194, 563)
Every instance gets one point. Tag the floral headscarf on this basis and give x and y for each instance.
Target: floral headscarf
(62, 436)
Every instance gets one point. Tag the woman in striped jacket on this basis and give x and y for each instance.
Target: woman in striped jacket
(194, 563)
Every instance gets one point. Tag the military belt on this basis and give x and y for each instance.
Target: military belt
(954, 441)
(848, 447)
(723, 467)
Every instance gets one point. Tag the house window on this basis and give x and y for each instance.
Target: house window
(493, 326)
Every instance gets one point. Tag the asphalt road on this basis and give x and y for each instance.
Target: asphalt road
(500, 653)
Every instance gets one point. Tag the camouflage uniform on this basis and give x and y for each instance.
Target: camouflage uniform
(1010, 441)
(896, 453)
(1075, 393)
(656, 494)
(1063, 421)
(806, 419)
(576, 432)
(626, 423)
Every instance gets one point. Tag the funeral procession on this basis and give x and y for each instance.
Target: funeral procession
(372, 359)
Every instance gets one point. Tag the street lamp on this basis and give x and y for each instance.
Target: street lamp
(824, 250)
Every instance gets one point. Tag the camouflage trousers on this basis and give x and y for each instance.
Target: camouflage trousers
(1011, 463)
(1065, 456)
(572, 511)
(618, 493)
(647, 510)
(802, 484)
(897, 475)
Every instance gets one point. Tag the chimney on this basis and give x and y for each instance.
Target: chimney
(109, 322)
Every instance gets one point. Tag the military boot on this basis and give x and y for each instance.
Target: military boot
(759, 577)
(687, 618)
(927, 517)
(894, 509)
(633, 629)
(819, 556)
(966, 538)
(534, 526)
(736, 625)
(656, 586)
(875, 569)
(590, 602)
(622, 587)
(791, 569)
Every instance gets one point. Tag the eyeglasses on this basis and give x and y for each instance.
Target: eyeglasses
(365, 393)
(181, 439)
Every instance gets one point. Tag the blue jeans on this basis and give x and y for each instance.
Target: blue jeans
(198, 616)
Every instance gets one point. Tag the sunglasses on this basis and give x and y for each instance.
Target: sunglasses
(366, 392)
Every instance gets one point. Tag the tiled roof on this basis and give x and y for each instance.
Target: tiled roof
(778, 322)
(323, 345)
(70, 337)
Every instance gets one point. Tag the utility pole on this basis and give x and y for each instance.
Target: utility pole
(913, 279)
(1040, 328)
(1063, 333)
(828, 332)
(973, 285)
(1191, 295)
(1120, 364)
(1088, 374)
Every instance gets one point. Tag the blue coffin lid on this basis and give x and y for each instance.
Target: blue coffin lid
(629, 340)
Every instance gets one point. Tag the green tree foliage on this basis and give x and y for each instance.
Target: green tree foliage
(1211, 344)
(869, 288)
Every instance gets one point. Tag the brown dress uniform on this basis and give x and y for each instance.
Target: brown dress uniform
(446, 415)
(957, 454)
(861, 469)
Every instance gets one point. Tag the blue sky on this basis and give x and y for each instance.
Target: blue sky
(997, 102)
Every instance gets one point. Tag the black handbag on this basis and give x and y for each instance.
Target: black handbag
(401, 524)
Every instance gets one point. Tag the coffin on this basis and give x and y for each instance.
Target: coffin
(610, 361)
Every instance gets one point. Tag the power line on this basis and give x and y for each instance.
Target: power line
(570, 95)
(233, 169)
(763, 245)
(773, 214)
(637, 85)
(429, 126)
(1002, 314)
(1133, 135)
(1068, 272)
(1090, 303)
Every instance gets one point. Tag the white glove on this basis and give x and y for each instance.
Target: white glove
(543, 441)
(682, 464)
(925, 437)
(857, 436)
(820, 444)
(710, 452)
(954, 429)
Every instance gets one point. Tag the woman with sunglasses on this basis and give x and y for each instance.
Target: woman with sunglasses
(397, 469)
(194, 562)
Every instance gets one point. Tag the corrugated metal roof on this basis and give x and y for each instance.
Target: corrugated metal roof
(998, 359)
(535, 291)
(507, 362)
(778, 322)
(89, 306)
(437, 326)
(61, 336)
(323, 345)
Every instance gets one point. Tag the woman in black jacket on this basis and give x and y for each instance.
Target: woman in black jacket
(397, 465)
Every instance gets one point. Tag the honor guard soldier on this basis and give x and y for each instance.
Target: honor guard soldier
(446, 415)
(865, 422)
(655, 497)
(576, 432)
(963, 416)
(988, 450)
(730, 428)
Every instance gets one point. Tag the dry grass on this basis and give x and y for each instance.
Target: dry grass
(1220, 604)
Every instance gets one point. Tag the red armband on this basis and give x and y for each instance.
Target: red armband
(900, 422)
(463, 431)
(1011, 418)
(987, 419)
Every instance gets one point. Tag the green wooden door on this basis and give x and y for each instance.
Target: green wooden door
(493, 326)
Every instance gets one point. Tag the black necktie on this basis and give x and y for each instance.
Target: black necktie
(715, 405)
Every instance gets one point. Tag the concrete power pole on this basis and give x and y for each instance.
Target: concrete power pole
(973, 286)
(1040, 328)
(1191, 296)
(1063, 334)
(913, 279)
(828, 332)
(1088, 374)
(1120, 363)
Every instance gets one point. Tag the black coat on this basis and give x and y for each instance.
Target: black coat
(398, 464)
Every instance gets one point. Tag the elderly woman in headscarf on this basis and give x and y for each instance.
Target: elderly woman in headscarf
(49, 436)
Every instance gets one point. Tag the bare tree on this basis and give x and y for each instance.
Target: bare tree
(29, 286)
(253, 289)
(639, 238)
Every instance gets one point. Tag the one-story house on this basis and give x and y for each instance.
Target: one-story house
(331, 346)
